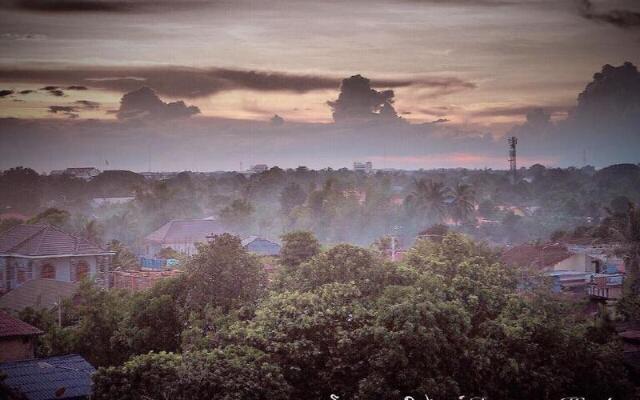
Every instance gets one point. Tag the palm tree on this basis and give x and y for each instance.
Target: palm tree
(463, 203)
(429, 199)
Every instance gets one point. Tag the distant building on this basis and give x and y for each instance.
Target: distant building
(182, 235)
(261, 246)
(17, 339)
(258, 168)
(86, 173)
(43, 251)
(97, 202)
(51, 378)
(366, 167)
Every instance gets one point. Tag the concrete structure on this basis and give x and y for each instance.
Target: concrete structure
(182, 235)
(43, 251)
(366, 167)
(110, 201)
(17, 339)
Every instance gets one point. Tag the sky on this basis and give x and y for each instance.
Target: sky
(444, 82)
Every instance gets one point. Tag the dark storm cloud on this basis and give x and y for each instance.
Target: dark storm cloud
(144, 103)
(515, 111)
(620, 18)
(358, 101)
(74, 87)
(62, 109)
(101, 6)
(53, 90)
(87, 104)
(5, 92)
(200, 82)
(26, 91)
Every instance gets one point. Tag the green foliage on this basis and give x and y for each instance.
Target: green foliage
(123, 258)
(224, 275)
(298, 247)
(52, 216)
(8, 223)
(237, 215)
(232, 373)
(290, 197)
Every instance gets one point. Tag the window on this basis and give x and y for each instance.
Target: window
(82, 270)
(48, 271)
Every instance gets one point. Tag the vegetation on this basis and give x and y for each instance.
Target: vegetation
(449, 321)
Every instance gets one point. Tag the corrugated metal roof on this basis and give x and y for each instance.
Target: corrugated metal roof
(11, 326)
(186, 231)
(44, 240)
(61, 377)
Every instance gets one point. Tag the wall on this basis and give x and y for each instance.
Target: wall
(15, 271)
(17, 348)
(578, 262)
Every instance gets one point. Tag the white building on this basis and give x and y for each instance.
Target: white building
(43, 251)
(366, 167)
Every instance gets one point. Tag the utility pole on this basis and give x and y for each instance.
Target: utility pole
(513, 168)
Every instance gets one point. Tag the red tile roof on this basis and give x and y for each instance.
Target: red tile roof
(44, 240)
(535, 256)
(10, 326)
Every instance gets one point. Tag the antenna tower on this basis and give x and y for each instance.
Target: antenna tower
(513, 168)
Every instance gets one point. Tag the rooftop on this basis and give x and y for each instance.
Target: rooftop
(37, 293)
(186, 231)
(11, 327)
(535, 256)
(44, 240)
(61, 377)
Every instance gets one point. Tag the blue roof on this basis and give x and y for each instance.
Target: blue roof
(62, 377)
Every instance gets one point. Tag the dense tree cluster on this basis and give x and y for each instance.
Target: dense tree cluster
(448, 321)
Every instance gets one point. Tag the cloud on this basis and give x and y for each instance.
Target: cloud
(145, 103)
(101, 6)
(357, 101)
(87, 104)
(26, 91)
(185, 82)
(621, 18)
(22, 36)
(75, 87)
(69, 111)
(53, 90)
(5, 92)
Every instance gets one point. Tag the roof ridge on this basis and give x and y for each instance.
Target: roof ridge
(42, 228)
(77, 239)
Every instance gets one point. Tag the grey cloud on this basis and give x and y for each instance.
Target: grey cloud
(22, 36)
(75, 87)
(144, 103)
(102, 6)
(26, 91)
(5, 92)
(621, 18)
(200, 82)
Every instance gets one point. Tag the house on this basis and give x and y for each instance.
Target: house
(182, 235)
(259, 168)
(85, 173)
(60, 377)
(548, 258)
(43, 251)
(261, 246)
(38, 294)
(17, 338)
